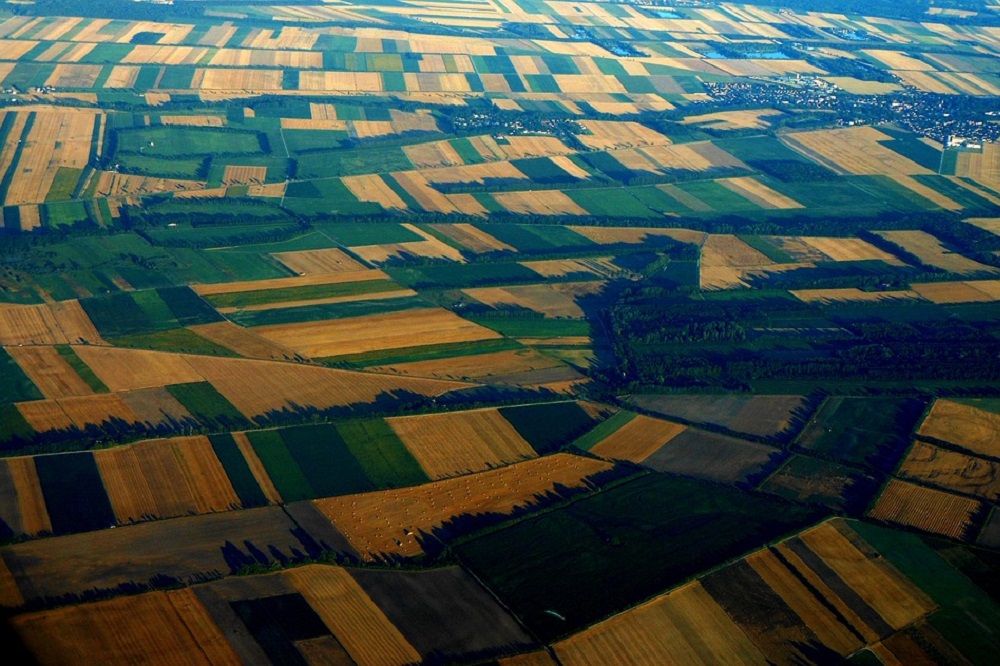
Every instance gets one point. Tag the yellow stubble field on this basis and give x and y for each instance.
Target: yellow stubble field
(388, 521)
(461, 442)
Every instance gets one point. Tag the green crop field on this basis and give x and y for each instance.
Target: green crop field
(207, 405)
(676, 528)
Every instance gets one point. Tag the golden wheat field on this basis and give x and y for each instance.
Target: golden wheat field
(311, 262)
(660, 632)
(362, 627)
(22, 504)
(390, 521)
(951, 470)
(819, 617)
(165, 478)
(256, 388)
(50, 372)
(165, 628)
(394, 330)
(638, 439)
(461, 442)
(975, 430)
(478, 366)
(929, 510)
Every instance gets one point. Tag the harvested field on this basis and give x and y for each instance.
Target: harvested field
(848, 249)
(725, 120)
(638, 235)
(562, 267)
(96, 409)
(855, 150)
(925, 509)
(692, 156)
(22, 504)
(194, 121)
(165, 479)
(461, 442)
(431, 249)
(638, 439)
(243, 175)
(930, 251)
(729, 251)
(284, 305)
(373, 189)
(952, 471)
(57, 139)
(983, 167)
(432, 155)
(760, 415)
(944, 293)
(472, 238)
(426, 196)
(390, 521)
(759, 193)
(74, 76)
(56, 324)
(313, 124)
(539, 202)
(50, 372)
(473, 173)
(164, 628)
(114, 184)
(242, 341)
(123, 76)
(606, 134)
(255, 80)
(545, 299)
(711, 456)
(259, 387)
(155, 406)
(309, 262)
(444, 613)
(346, 609)
(877, 582)
(660, 632)
(135, 554)
(973, 429)
(45, 415)
(394, 330)
(289, 282)
(829, 629)
(129, 369)
(899, 60)
(257, 468)
(478, 366)
(520, 147)
(848, 294)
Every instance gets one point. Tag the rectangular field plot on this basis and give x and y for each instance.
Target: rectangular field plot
(461, 442)
(867, 431)
(174, 625)
(929, 510)
(951, 470)
(804, 479)
(368, 333)
(713, 457)
(764, 416)
(976, 430)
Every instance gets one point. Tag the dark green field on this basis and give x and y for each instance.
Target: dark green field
(675, 528)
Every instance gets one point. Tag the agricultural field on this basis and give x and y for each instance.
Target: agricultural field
(499, 332)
